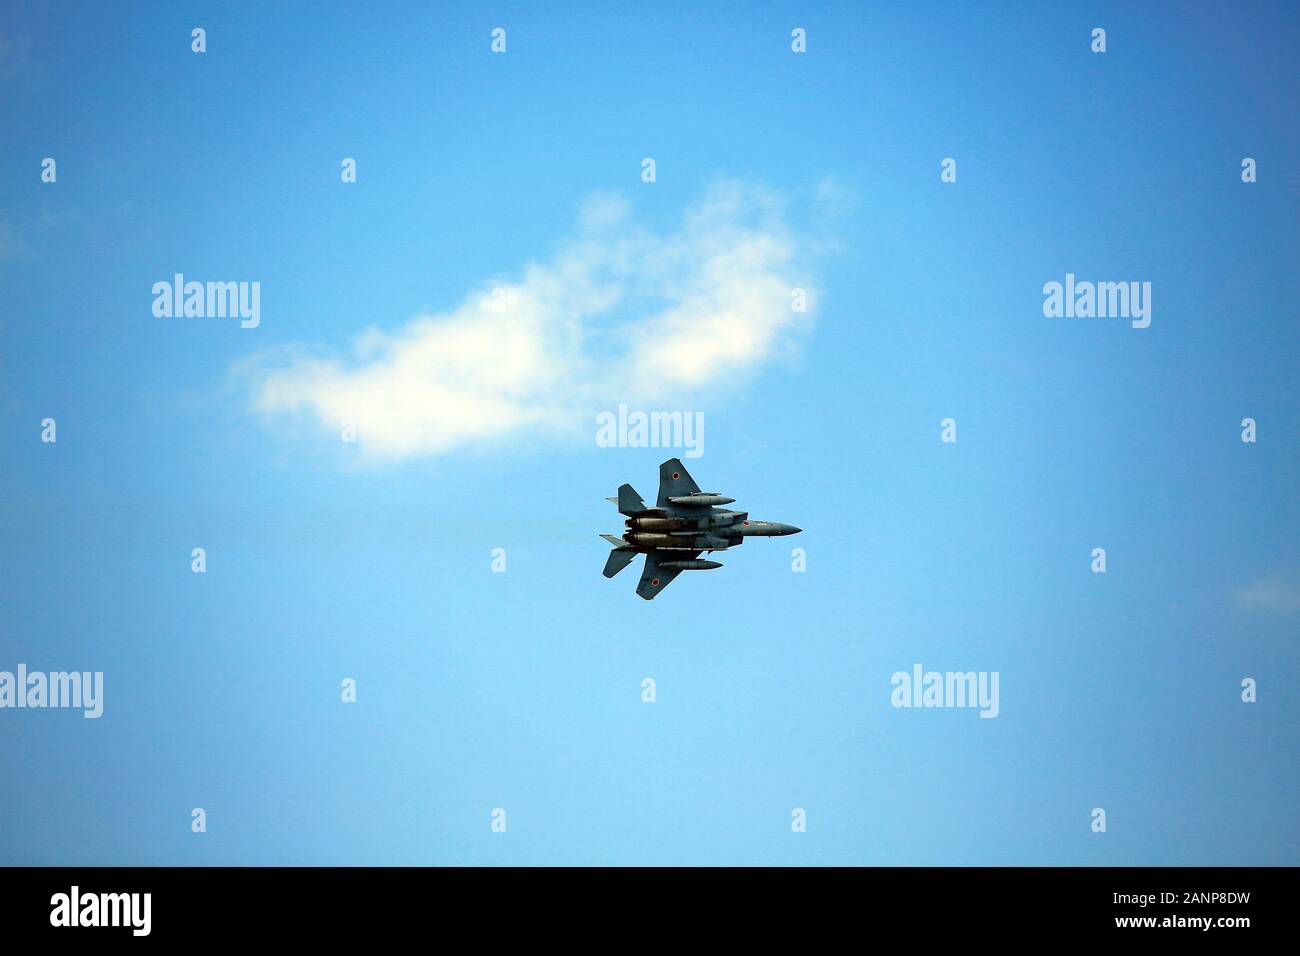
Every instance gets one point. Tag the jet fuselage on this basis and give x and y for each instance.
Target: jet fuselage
(709, 530)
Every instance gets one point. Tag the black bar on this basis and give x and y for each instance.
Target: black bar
(207, 905)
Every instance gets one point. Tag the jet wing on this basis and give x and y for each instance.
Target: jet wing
(674, 481)
(654, 578)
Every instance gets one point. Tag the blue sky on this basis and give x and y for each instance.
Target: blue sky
(522, 690)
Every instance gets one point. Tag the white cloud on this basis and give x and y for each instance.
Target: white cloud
(1278, 593)
(619, 314)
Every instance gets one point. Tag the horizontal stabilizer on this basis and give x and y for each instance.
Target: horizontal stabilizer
(618, 559)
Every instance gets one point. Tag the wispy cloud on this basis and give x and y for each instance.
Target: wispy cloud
(618, 314)
(1277, 593)
(14, 55)
(11, 247)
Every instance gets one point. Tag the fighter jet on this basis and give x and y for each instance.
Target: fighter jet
(685, 523)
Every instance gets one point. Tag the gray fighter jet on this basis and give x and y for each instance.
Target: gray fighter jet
(685, 523)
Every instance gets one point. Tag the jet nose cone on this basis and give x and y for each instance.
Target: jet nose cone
(784, 529)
